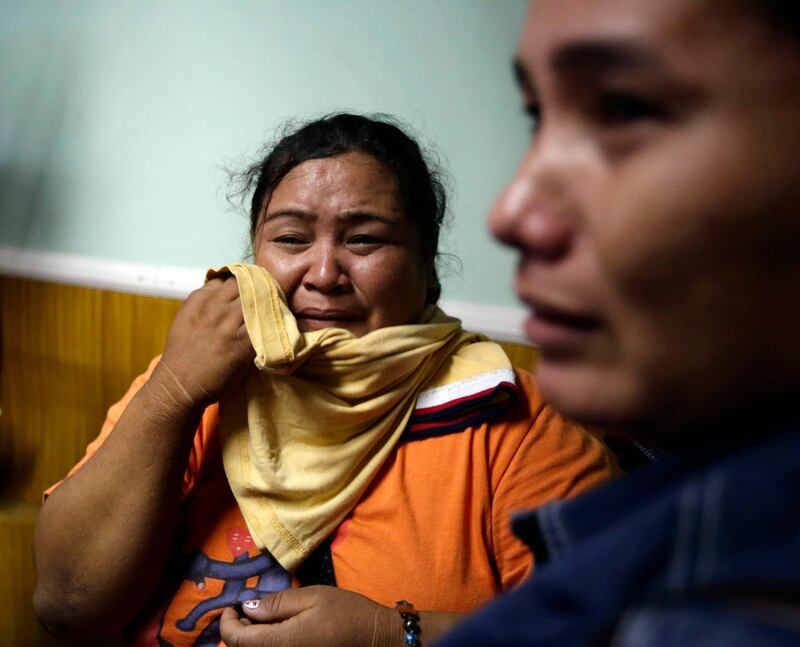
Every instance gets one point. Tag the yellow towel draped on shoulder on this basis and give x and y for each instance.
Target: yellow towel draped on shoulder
(308, 430)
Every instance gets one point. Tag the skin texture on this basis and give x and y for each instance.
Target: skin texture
(341, 248)
(655, 213)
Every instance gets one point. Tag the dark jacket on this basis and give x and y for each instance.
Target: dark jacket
(699, 550)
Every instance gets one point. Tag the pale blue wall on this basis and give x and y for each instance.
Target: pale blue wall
(116, 116)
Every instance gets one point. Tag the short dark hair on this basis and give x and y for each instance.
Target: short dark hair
(419, 180)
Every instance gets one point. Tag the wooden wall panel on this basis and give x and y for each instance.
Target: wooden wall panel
(67, 354)
(18, 626)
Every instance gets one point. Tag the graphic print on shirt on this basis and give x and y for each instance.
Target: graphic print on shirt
(218, 584)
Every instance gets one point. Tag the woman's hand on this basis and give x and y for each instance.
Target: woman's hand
(208, 348)
(324, 616)
(313, 616)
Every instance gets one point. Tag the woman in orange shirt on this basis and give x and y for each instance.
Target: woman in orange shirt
(146, 537)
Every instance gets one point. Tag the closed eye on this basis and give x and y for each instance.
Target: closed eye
(364, 239)
(288, 239)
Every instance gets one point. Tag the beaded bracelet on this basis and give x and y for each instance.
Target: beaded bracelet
(410, 623)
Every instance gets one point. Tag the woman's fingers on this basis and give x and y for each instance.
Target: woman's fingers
(241, 333)
(208, 348)
(213, 284)
(321, 616)
(241, 632)
(237, 632)
(281, 605)
(229, 288)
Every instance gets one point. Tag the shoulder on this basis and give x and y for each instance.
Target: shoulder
(530, 398)
(534, 421)
(540, 455)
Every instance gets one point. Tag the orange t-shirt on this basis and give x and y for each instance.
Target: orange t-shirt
(433, 526)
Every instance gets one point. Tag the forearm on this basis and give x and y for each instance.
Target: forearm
(387, 629)
(104, 534)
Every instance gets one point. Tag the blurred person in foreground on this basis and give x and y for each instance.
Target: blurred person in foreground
(656, 217)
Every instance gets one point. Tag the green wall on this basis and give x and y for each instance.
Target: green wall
(117, 117)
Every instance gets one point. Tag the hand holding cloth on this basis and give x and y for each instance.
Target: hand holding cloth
(321, 411)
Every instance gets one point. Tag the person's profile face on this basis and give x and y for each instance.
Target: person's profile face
(335, 237)
(655, 208)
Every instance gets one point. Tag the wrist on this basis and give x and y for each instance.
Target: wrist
(410, 623)
(168, 396)
(387, 628)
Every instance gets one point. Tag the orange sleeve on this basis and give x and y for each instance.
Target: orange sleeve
(115, 412)
(544, 458)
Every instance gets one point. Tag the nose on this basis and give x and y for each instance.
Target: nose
(531, 213)
(325, 273)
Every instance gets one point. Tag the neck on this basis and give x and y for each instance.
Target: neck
(737, 426)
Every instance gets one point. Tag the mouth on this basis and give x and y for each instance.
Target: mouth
(558, 332)
(317, 318)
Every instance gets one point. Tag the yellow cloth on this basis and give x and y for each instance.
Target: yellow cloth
(304, 436)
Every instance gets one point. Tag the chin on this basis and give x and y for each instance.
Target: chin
(593, 396)
(306, 325)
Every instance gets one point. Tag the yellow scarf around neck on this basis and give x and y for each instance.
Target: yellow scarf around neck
(309, 429)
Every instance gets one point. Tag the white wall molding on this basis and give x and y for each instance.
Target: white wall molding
(100, 273)
(497, 322)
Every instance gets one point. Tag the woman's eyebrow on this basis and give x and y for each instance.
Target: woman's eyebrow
(290, 213)
(356, 217)
(349, 217)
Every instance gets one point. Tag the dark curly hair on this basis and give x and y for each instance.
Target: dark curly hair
(420, 183)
